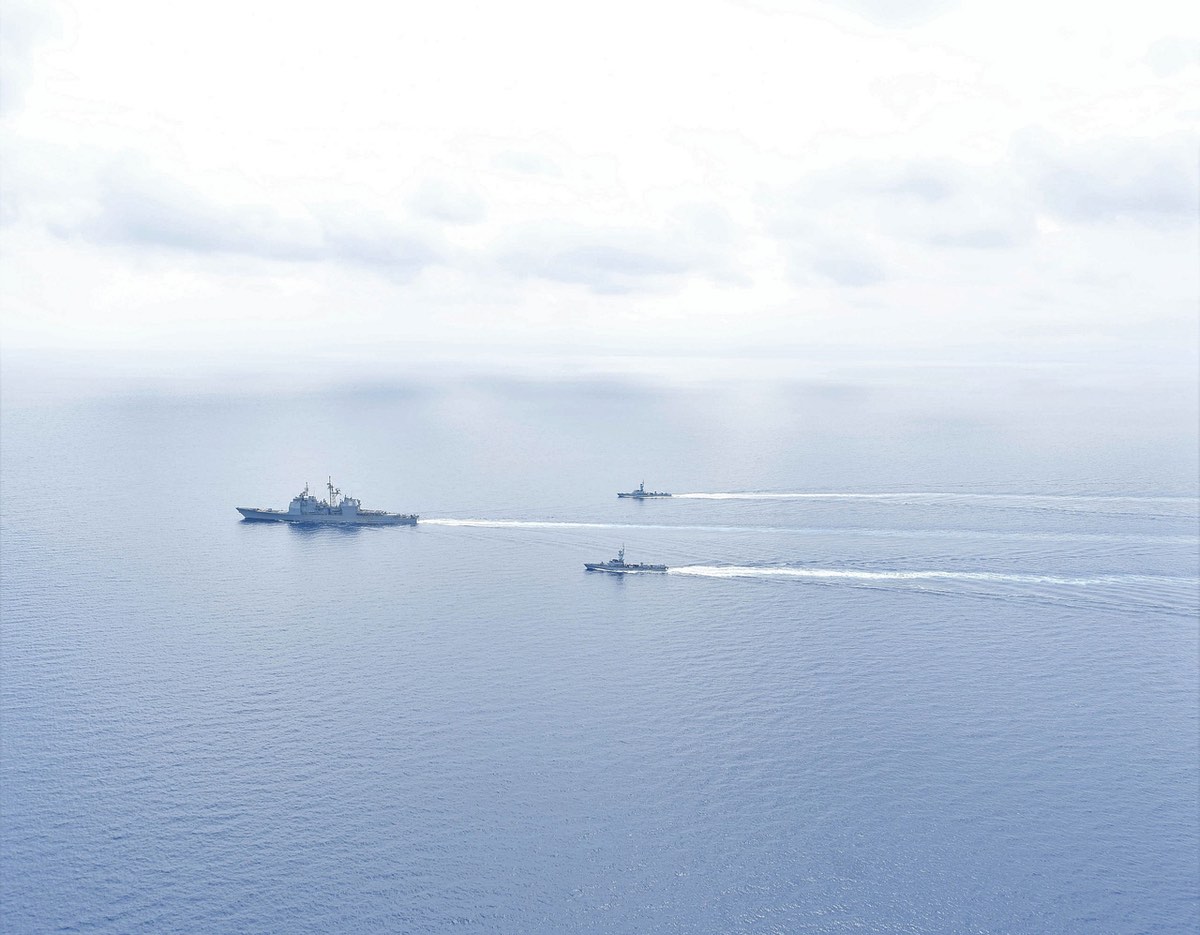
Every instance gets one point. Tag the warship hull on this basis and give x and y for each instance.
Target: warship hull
(338, 510)
(327, 519)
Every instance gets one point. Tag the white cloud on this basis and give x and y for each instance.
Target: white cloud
(23, 25)
(447, 201)
(124, 205)
(845, 263)
(898, 12)
(1170, 55)
(890, 13)
(525, 162)
(859, 224)
(1151, 181)
(615, 260)
(861, 177)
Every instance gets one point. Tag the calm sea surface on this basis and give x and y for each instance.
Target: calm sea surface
(908, 673)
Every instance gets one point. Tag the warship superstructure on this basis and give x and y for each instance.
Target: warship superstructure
(618, 565)
(642, 493)
(337, 510)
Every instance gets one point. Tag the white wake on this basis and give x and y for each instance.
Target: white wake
(933, 495)
(854, 574)
(517, 524)
(812, 530)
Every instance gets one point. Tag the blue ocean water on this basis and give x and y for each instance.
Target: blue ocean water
(908, 673)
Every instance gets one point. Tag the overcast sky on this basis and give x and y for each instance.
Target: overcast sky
(824, 183)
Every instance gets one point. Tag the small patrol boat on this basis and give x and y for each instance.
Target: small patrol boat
(642, 493)
(337, 510)
(618, 565)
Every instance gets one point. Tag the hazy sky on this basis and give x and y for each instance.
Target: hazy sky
(827, 182)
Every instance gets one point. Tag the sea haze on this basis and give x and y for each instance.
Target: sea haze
(923, 662)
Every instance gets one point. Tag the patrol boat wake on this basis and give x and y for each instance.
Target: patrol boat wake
(338, 510)
(618, 565)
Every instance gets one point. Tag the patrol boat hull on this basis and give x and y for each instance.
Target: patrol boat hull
(621, 569)
(642, 493)
(618, 565)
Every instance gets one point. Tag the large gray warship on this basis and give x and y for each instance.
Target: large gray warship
(642, 493)
(618, 565)
(337, 510)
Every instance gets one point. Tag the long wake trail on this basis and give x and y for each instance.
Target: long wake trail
(855, 574)
(527, 524)
(483, 523)
(1174, 594)
(1178, 596)
(931, 495)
